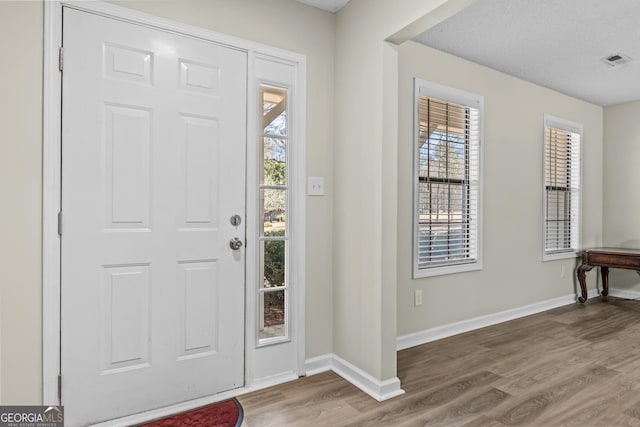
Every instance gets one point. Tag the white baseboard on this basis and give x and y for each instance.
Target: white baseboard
(445, 331)
(624, 293)
(319, 364)
(379, 390)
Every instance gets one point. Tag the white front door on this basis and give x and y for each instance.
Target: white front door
(153, 169)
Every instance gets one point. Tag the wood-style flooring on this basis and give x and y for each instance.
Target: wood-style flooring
(577, 365)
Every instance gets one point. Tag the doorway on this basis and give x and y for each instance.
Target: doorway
(263, 365)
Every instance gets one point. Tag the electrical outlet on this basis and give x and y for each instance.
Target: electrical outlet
(417, 297)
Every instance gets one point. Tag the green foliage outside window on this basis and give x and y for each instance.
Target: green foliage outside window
(274, 268)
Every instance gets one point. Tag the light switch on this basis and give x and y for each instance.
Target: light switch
(417, 297)
(315, 186)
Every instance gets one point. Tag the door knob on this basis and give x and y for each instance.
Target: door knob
(235, 243)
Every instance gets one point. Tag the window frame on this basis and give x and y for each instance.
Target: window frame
(554, 122)
(471, 100)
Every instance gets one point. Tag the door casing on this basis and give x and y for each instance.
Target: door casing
(51, 254)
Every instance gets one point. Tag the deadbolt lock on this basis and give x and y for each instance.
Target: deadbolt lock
(236, 220)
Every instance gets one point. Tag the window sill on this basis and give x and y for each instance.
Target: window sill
(420, 273)
(560, 255)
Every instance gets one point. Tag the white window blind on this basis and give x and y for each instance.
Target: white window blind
(562, 187)
(447, 180)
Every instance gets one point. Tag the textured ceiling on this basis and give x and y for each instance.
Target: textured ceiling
(554, 43)
(329, 5)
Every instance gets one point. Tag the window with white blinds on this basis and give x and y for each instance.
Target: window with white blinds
(562, 194)
(446, 180)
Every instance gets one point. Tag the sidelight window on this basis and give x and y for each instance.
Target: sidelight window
(273, 292)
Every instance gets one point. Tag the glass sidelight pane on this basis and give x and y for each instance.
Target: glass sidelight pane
(274, 110)
(272, 314)
(274, 261)
(275, 162)
(274, 202)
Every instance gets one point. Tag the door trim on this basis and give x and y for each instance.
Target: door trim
(51, 177)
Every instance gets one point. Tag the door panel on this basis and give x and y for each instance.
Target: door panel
(154, 139)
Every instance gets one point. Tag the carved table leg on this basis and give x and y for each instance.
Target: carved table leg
(604, 271)
(582, 279)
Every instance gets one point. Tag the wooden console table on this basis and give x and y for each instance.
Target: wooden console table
(606, 258)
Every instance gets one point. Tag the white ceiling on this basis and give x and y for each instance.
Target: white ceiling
(329, 5)
(554, 43)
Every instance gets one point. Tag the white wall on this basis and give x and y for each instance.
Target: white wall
(621, 175)
(513, 273)
(281, 23)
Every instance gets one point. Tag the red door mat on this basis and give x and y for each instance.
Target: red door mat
(222, 414)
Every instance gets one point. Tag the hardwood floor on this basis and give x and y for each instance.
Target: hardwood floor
(577, 365)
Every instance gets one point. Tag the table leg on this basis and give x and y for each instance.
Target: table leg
(582, 279)
(604, 272)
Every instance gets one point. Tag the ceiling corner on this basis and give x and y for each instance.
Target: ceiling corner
(332, 6)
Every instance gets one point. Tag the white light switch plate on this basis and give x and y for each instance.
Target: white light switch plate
(315, 186)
